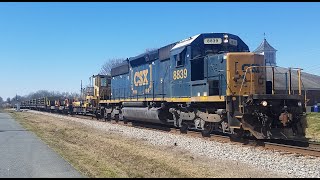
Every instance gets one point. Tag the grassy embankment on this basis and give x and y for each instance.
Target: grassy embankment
(313, 130)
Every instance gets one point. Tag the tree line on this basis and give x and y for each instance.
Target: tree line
(10, 102)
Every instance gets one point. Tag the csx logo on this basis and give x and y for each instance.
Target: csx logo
(141, 78)
(254, 69)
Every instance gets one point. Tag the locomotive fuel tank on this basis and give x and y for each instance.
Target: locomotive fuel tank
(144, 114)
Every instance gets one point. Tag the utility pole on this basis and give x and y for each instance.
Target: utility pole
(81, 90)
(17, 103)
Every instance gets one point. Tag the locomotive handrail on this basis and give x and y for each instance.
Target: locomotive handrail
(273, 90)
(273, 81)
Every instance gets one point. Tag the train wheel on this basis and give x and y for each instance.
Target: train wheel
(108, 117)
(184, 128)
(116, 117)
(125, 120)
(208, 127)
(237, 136)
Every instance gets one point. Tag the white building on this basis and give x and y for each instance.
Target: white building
(268, 51)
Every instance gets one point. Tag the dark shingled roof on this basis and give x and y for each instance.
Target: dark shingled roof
(309, 81)
(264, 47)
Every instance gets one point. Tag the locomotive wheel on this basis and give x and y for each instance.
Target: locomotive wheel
(116, 117)
(184, 128)
(125, 120)
(108, 117)
(237, 136)
(207, 129)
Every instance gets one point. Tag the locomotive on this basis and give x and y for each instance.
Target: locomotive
(208, 82)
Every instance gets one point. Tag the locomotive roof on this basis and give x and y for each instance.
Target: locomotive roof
(164, 52)
(190, 40)
(185, 42)
(101, 75)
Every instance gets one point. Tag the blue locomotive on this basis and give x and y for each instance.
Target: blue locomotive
(210, 82)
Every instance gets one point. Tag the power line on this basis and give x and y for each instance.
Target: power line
(313, 68)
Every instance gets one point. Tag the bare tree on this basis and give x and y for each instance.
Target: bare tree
(40, 94)
(46, 93)
(109, 64)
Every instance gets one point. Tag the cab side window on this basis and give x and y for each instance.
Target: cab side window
(180, 58)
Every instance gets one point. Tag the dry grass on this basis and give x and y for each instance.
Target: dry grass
(313, 130)
(98, 153)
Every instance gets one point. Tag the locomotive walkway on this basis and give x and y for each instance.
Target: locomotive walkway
(23, 154)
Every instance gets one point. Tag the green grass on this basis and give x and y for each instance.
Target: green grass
(313, 129)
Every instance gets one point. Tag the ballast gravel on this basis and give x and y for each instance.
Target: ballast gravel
(287, 164)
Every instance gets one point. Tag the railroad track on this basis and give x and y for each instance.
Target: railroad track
(313, 150)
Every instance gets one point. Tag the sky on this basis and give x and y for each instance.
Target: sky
(54, 45)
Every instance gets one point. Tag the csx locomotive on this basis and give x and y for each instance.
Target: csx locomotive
(209, 82)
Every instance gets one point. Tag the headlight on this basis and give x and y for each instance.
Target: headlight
(225, 38)
(299, 103)
(264, 103)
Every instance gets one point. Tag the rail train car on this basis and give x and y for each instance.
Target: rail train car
(92, 102)
(209, 82)
(51, 104)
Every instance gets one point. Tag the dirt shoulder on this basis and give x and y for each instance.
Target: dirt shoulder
(97, 153)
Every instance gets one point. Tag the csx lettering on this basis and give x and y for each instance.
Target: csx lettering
(254, 69)
(141, 78)
(180, 74)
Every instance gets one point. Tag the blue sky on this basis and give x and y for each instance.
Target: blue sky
(53, 46)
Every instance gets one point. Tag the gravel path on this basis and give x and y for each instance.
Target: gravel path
(287, 164)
